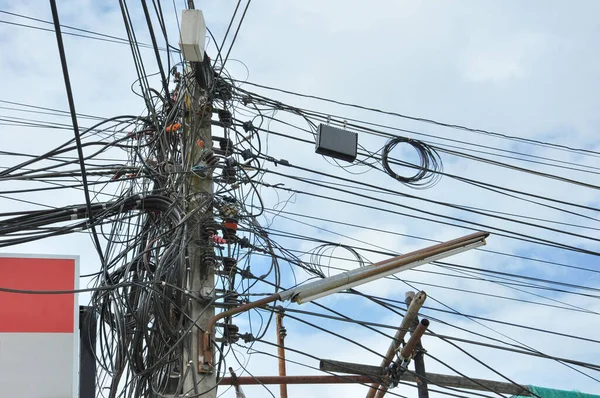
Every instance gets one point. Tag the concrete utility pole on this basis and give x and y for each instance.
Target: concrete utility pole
(197, 133)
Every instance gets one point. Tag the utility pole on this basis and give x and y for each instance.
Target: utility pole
(200, 252)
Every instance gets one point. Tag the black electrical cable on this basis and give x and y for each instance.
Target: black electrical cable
(427, 174)
(234, 37)
(421, 238)
(103, 36)
(164, 80)
(478, 211)
(431, 121)
(494, 188)
(63, 61)
(496, 230)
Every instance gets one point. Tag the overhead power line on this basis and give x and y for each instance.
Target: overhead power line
(425, 120)
(98, 36)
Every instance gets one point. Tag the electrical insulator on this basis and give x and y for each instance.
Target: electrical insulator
(207, 161)
(229, 264)
(226, 145)
(222, 89)
(283, 332)
(208, 259)
(246, 273)
(229, 173)
(231, 333)
(225, 117)
(231, 298)
(248, 126)
(247, 337)
(210, 230)
(244, 243)
(247, 154)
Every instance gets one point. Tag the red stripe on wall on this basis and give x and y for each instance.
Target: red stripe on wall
(37, 313)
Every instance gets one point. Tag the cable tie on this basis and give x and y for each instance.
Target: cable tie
(138, 202)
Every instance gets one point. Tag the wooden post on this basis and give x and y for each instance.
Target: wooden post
(376, 372)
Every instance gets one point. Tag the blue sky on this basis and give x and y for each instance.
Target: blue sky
(526, 69)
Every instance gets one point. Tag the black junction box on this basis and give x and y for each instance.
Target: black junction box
(336, 143)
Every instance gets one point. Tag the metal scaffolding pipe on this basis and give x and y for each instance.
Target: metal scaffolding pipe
(408, 349)
(411, 313)
(333, 379)
(418, 359)
(415, 337)
(281, 333)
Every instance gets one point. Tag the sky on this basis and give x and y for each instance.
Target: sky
(522, 69)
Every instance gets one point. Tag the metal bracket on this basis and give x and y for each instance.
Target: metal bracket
(203, 367)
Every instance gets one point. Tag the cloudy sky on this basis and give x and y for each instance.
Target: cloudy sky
(522, 69)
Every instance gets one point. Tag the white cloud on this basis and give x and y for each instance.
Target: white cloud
(509, 59)
(526, 69)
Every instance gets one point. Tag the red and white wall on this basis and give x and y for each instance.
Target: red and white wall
(39, 333)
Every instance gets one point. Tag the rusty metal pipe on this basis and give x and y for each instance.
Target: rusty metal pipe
(205, 360)
(281, 352)
(333, 379)
(415, 337)
(408, 349)
(438, 379)
(411, 313)
(421, 376)
(356, 277)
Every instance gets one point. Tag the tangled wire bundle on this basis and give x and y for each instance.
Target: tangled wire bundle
(319, 253)
(429, 169)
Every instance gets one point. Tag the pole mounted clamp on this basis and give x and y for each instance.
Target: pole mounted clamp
(395, 372)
